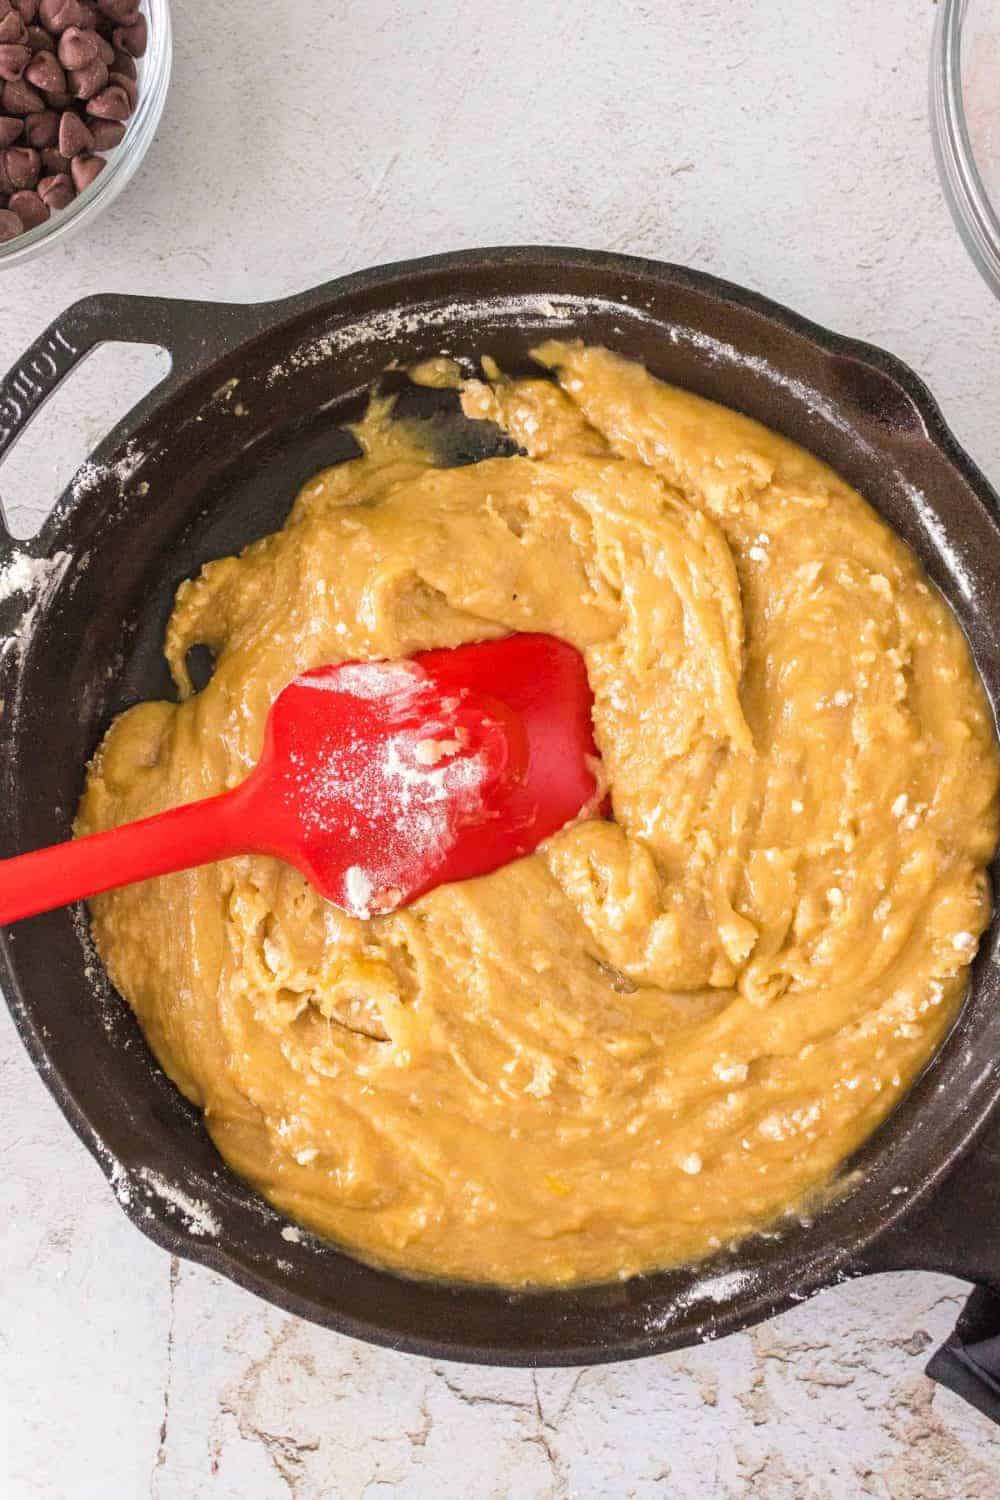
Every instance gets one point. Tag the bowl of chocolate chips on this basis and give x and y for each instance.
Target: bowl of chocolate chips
(82, 88)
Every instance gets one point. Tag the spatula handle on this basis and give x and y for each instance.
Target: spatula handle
(179, 839)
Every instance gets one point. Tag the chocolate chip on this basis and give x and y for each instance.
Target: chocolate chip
(111, 103)
(84, 169)
(58, 102)
(53, 162)
(29, 207)
(132, 39)
(56, 191)
(39, 40)
(45, 73)
(10, 225)
(121, 62)
(74, 136)
(28, 10)
(107, 134)
(20, 98)
(10, 129)
(128, 84)
(78, 48)
(122, 12)
(22, 165)
(42, 129)
(87, 81)
(13, 60)
(105, 51)
(13, 31)
(58, 15)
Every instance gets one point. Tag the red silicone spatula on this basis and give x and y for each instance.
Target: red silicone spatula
(378, 780)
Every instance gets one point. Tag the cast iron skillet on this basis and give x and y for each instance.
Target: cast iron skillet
(213, 459)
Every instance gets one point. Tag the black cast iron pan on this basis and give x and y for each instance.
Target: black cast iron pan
(212, 459)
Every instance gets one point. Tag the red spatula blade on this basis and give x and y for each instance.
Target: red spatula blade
(382, 780)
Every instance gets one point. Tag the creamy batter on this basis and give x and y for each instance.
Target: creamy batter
(661, 1031)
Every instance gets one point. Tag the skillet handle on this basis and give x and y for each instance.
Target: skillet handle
(193, 333)
(958, 1232)
(968, 1363)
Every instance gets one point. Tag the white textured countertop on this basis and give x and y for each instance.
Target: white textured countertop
(779, 144)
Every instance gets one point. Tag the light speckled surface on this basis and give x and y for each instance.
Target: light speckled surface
(784, 146)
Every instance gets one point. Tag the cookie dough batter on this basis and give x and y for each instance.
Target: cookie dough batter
(659, 1032)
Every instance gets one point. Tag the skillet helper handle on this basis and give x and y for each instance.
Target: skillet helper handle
(36, 375)
(195, 834)
(968, 1363)
(193, 333)
(966, 1219)
(24, 389)
(956, 1232)
(68, 339)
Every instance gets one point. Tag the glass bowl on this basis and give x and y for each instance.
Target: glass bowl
(124, 160)
(965, 114)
